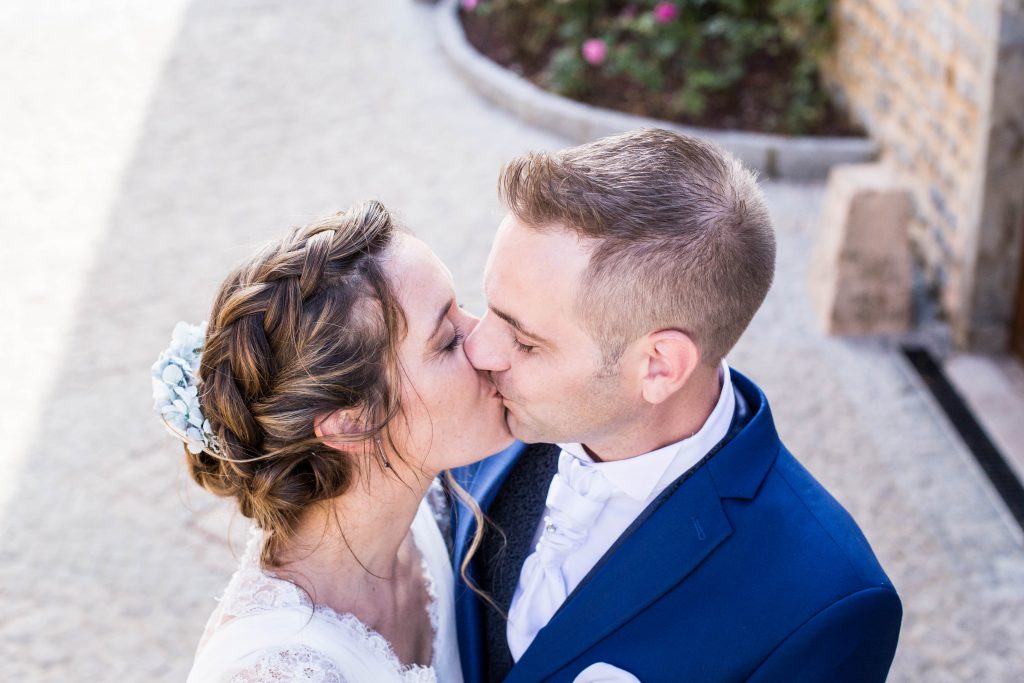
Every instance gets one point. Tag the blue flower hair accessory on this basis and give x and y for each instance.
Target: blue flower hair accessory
(176, 391)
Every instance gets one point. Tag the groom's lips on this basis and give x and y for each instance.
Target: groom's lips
(496, 393)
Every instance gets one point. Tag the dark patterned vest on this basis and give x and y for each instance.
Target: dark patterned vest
(516, 511)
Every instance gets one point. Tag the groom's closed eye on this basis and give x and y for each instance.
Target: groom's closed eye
(525, 348)
(522, 331)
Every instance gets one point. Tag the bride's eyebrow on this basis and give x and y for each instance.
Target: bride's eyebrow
(440, 318)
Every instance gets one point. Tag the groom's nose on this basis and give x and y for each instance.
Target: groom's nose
(486, 347)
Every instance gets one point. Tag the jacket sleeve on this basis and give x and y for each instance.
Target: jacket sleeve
(850, 641)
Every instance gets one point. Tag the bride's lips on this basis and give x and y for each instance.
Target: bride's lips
(495, 393)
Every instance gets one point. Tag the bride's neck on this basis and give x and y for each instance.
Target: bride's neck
(360, 536)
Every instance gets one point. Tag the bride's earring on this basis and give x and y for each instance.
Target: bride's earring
(380, 451)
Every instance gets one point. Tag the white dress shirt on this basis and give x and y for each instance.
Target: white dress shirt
(638, 481)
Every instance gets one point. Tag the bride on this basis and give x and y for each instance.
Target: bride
(327, 393)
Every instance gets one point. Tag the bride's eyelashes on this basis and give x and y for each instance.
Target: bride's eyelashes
(455, 343)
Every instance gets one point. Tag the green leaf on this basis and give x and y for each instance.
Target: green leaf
(666, 47)
(688, 101)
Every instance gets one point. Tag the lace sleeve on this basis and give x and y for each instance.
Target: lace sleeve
(294, 665)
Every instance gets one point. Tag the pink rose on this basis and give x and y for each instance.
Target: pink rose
(665, 12)
(470, 5)
(594, 51)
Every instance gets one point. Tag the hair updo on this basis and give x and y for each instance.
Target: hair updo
(308, 326)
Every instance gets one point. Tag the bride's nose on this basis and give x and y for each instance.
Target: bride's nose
(469, 321)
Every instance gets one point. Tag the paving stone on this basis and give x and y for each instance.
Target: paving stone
(262, 114)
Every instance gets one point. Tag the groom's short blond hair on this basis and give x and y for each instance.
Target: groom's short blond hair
(684, 238)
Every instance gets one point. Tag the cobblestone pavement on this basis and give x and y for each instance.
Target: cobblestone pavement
(149, 146)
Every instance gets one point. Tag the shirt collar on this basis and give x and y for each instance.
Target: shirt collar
(638, 477)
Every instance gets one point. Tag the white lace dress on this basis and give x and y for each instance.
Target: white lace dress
(266, 629)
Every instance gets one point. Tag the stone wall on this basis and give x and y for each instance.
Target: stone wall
(994, 250)
(920, 75)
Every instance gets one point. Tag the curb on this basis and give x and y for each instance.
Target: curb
(773, 156)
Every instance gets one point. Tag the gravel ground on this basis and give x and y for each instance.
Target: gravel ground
(149, 146)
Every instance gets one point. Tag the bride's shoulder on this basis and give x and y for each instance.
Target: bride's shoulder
(251, 590)
(271, 628)
(291, 665)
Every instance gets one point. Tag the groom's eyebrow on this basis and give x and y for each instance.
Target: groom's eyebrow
(518, 326)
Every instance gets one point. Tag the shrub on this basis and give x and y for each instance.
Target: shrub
(689, 60)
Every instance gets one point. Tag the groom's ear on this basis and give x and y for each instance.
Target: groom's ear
(670, 357)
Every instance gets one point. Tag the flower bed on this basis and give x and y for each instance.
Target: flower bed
(727, 64)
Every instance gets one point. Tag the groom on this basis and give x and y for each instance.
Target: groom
(655, 527)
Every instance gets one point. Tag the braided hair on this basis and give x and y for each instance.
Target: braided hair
(308, 326)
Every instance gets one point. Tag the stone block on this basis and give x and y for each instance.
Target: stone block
(860, 273)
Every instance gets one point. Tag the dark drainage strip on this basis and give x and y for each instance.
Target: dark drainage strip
(985, 452)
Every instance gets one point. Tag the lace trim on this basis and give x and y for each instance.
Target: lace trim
(379, 645)
(294, 665)
(253, 590)
(441, 509)
(433, 609)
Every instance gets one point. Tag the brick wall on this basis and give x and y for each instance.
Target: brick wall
(919, 75)
(993, 276)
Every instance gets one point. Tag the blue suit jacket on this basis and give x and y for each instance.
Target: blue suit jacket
(748, 571)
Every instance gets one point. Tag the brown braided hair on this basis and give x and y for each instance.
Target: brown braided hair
(308, 326)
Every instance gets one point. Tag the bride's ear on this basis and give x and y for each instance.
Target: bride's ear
(341, 428)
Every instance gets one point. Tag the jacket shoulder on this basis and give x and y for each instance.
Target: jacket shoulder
(852, 640)
(824, 518)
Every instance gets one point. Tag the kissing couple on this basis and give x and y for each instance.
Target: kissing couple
(637, 519)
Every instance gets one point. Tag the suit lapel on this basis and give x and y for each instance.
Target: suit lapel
(685, 529)
(481, 480)
(665, 545)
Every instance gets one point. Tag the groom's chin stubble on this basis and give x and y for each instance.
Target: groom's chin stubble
(513, 425)
(520, 431)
